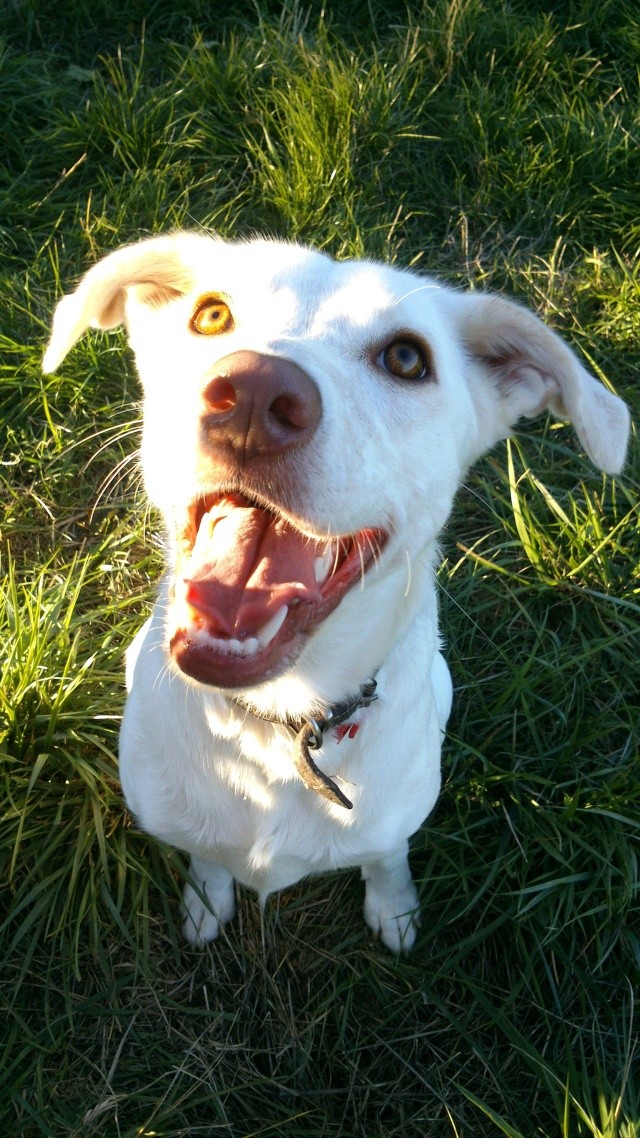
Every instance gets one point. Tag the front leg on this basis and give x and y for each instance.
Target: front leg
(208, 907)
(391, 900)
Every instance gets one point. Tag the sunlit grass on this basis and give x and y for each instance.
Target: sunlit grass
(492, 144)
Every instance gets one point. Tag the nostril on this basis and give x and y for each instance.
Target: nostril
(289, 411)
(220, 395)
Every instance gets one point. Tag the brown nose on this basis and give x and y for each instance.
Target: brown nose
(259, 405)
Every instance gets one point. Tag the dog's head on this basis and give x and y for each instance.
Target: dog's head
(306, 425)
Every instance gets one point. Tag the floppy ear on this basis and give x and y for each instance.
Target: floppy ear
(154, 267)
(520, 367)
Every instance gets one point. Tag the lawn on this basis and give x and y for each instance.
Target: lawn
(497, 146)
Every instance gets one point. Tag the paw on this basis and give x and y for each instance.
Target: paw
(394, 919)
(203, 916)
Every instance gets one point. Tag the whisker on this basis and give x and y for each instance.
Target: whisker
(118, 437)
(112, 432)
(113, 479)
(430, 286)
(165, 672)
(373, 549)
(409, 572)
(336, 553)
(362, 565)
(495, 646)
(470, 490)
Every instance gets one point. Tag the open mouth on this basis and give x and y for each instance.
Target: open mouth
(251, 587)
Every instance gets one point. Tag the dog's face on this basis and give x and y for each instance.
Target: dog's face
(296, 413)
(306, 425)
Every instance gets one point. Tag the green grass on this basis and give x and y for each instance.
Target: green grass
(496, 145)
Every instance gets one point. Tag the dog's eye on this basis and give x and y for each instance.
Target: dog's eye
(406, 359)
(211, 317)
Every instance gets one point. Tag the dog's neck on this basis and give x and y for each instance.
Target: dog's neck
(333, 715)
(309, 732)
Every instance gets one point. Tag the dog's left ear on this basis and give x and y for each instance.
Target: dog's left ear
(519, 367)
(156, 268)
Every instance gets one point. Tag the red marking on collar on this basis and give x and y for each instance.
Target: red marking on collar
(345, 729)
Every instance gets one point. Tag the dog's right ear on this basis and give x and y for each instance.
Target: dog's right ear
(155, 267)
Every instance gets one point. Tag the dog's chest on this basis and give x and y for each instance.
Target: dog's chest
(217, 782)
(276, 816)
(276, 830)
(226, 789)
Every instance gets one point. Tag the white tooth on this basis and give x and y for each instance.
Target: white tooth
(232, 646)
(272, 627)
(205, 530)
(322, 565)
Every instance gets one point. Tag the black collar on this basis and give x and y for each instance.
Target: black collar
(309, 735)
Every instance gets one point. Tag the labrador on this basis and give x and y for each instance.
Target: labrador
(306, 425)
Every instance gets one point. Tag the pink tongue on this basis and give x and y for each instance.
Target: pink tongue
(253, 564)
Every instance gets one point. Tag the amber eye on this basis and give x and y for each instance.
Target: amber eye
(405, 359)
(211, 317)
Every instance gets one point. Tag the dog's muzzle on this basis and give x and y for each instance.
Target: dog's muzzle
(251, 584)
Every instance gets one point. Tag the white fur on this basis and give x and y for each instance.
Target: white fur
(197, 771)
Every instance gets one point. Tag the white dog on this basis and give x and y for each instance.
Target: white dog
(306, 425)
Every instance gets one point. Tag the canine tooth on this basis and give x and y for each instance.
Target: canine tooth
(205, 530)
(273, 626)
(322, 565)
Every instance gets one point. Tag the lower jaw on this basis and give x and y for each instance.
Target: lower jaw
(195, 656)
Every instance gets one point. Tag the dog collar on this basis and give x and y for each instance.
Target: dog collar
(309, 733)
